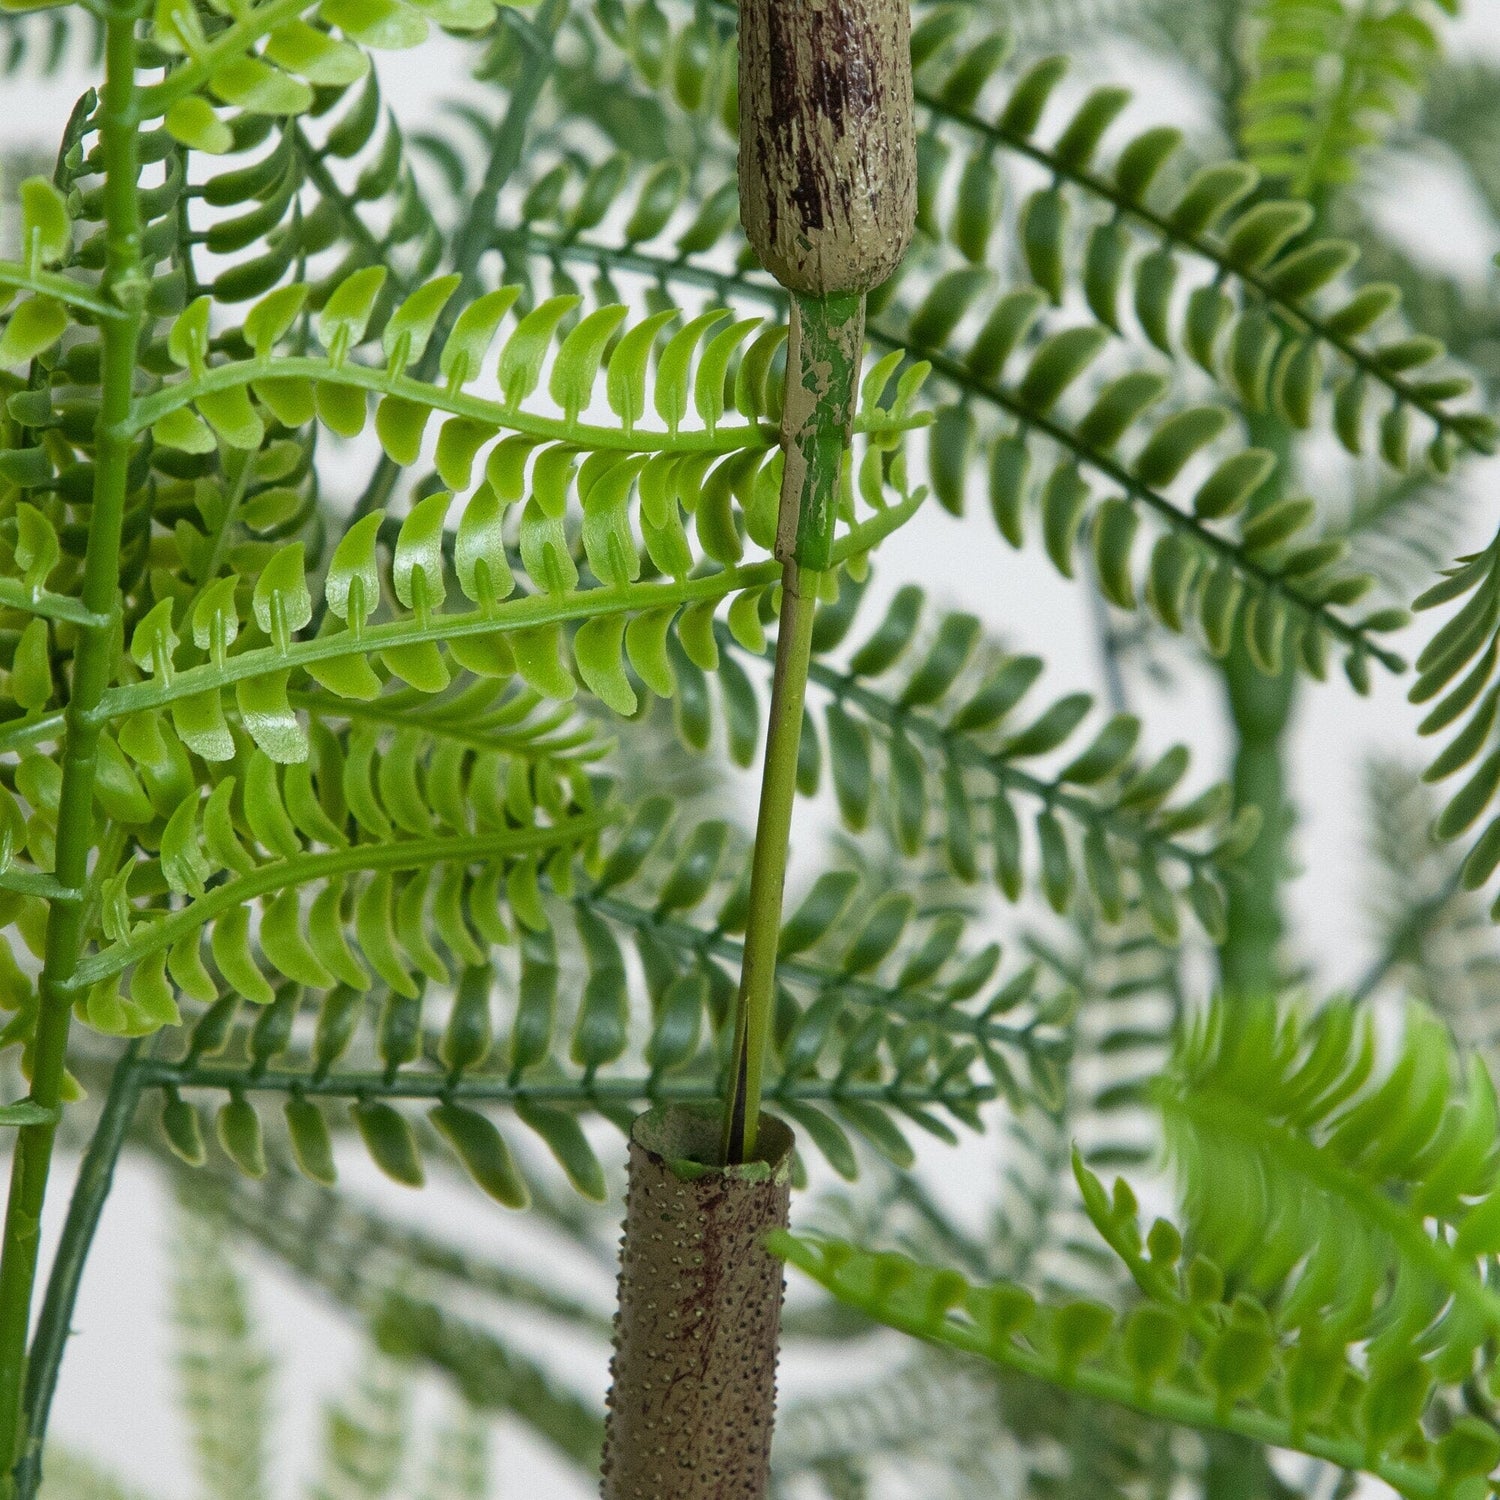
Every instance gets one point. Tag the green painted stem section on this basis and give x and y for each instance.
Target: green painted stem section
(823, 356)
(124, 285)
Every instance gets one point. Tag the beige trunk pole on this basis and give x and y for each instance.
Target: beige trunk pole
(694, 1373)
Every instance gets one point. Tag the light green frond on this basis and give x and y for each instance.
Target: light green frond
(72, 1476)
(366, 1436)
(224, 1372)
(1329, 79)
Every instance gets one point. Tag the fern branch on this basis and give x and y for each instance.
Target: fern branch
(54, 1324)
(124, 283)
(237, 374)
(1290, 1156)
(402, 854)
(534, 740)
(915, 1003)
(962, 749)
(1103, 464)
(1296, 315)
(509, 615)
(505, 1089)
(473, 236)
(887, 335)
(916, 1300)
(59, 287)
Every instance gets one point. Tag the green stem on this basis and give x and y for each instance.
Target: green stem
(54, 284)
(1260, 709)
(773, 826)
(303, 869)
(500, 1088)
(95, 1174)
(124, 285)
(519, 613)
(823, 356)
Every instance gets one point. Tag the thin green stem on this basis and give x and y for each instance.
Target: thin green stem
(773, 827)
(63, 288)
(823, 356)
(501, 1088)
(124, 285)
(727, 438)
(95, 1175)
(15, 595)
(523, 613)
(401, 854)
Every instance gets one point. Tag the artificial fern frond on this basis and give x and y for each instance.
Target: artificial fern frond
(1329, 78)
(1075, 1345)
(1277, 589)
(1435, 940)
(909, 1011)
(491, 1375)
(366, 1436)
(1320, 1308)
(949, 743)
(72, 1476)
(386, 877)
(224, 1371)
(1257, 347)
(1343, 1159)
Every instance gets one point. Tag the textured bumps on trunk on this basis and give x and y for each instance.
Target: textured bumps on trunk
(693, 1392)
(828, 154)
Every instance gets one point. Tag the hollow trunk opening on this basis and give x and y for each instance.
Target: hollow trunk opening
(693, 1393)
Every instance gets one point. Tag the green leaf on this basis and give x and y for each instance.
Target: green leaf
(1175, 442)
(34, 326)
(482, 1150)
(565, 1139)
(1057, 363)
(388, 1137)
(46, 230)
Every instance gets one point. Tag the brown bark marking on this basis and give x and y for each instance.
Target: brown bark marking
(827, 140)
(693, 1396)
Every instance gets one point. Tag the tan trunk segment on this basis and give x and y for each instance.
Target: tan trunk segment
(694, 1373)
(828, 144)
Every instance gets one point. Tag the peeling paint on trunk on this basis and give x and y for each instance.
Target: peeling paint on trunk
(828, 178)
